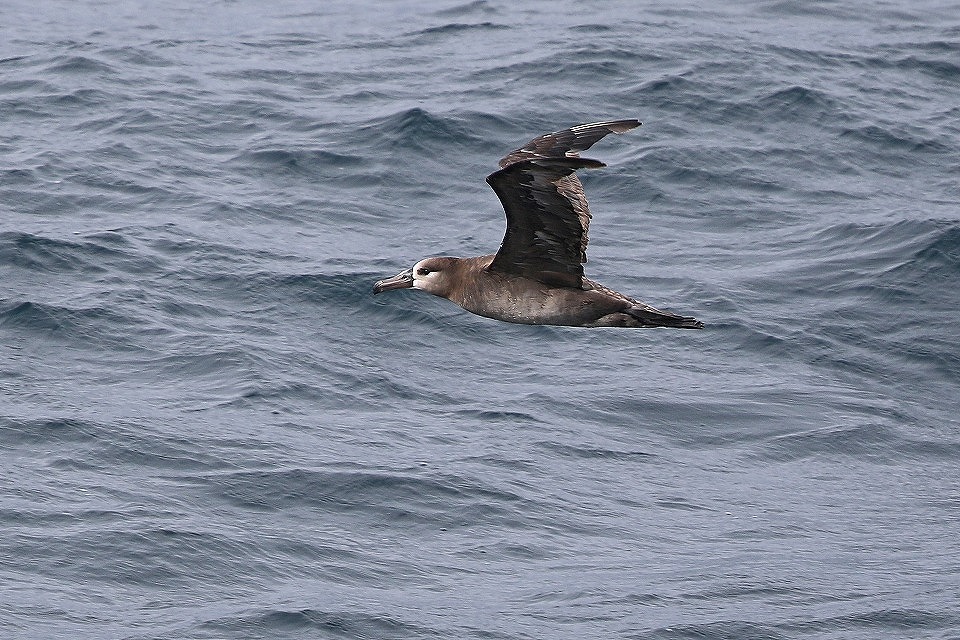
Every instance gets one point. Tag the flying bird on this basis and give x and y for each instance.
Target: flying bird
(537, 275)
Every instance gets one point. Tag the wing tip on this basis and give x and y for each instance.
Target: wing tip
(616, 126)
(622, 126)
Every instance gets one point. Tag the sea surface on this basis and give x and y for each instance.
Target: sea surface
(210, 428)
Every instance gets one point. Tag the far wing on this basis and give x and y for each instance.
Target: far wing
(547, 212)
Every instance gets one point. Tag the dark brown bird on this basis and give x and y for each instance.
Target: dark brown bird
(537, 275)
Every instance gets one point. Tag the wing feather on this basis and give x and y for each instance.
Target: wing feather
(547, 213)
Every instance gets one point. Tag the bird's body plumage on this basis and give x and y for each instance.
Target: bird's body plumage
(537, 275)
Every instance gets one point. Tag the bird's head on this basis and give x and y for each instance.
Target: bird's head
(433, 275)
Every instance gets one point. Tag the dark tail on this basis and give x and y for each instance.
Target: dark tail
(651, 317)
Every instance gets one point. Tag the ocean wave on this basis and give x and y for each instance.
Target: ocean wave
(213, 428)
(77, 64)
(415, 129)
(450, 501)
(453, 29)
(96, 253)
(336, 622)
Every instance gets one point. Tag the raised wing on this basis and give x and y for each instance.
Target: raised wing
(547, 213)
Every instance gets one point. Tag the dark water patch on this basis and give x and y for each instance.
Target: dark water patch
(811, 56)
(37, 253)
(732, 170)
(679, 503)
(332, 624)
(888, 236)
(229, 365)
(186, 310)
(348, 386)
(766, 591)
(671, 84)
(414, 499)
(81, 65)
(936, 262)
(336, 292)
(272, 76)
(282, 393)
(865, 354)
(367, 97)
(9, 59)
(430, 34)
(687, 97)
(245, 116)
(895, 139)
(25, 110)
(318, 163)
(172, 43)
(192, 252)
(281, 96)
(907, 620)
(768, 340)
(283, 40)
(128, 191)
(798, 8)
(502, 461)
(183, 80)
(939, 69)
(887, 307)
(508, 417)
(72, 444)
(925, 450)
(598, 453)
(907, 57)
(803, 104)
(128, 121)
(98, 254)
(477, 7)
(936, 46)
(483, 126)
(138, 57)
(415, 129)
(78, 518)
(24, 85)
(48, 431)
(191, 130)
(874, 305)
(700, 425)
(74, 100)
(896, 262)
(90, 326)
(146, 556)
(591, 28)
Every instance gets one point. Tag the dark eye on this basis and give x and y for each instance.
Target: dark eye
(422, 272)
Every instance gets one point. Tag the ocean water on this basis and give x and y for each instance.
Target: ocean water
(209, 427)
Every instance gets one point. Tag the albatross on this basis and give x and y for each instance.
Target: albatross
(536, 277)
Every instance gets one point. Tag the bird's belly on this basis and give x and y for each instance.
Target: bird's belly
(526, 303)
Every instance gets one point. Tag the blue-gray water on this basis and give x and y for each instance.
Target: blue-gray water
(209, 427)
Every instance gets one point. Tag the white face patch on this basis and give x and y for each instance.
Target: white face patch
(436, 275)
(427, 277)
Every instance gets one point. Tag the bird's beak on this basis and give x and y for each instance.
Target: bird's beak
(402, 280)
